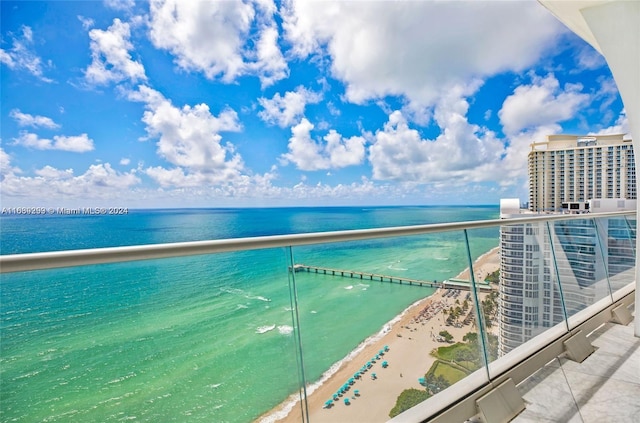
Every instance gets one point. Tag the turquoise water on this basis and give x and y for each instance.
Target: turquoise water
(207, 338)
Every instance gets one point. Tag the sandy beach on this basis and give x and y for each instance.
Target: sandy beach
(409, 340)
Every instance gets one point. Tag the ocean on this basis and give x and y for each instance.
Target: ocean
(204, 338)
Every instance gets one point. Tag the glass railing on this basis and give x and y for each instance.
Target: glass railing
(338, 326)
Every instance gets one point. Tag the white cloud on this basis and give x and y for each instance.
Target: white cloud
(543, 102)
(25, 119)
(344, 152)
(216, 38)
(588, 58)
(49, 172)
(22, 57)
(337, 152)
(77, 144)
(462, 153)
(189, 138)
(621, 126)
(285, 111)
(269, 64)
(6, 169)
(98, 182)
(125, 161)
(122, 5)
(111, 60)
(86, 22)
(373, 49)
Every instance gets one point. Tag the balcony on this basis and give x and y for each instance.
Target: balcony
(180, 332)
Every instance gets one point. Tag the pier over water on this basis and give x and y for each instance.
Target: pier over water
(447, 284)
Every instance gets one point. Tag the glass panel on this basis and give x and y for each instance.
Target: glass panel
(188, 339)
(581, 268)
(529, 299)
(373, 323)
(620, 248)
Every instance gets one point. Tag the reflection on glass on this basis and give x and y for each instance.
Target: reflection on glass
(379, 331)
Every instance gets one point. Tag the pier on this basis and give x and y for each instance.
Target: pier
(354, 274)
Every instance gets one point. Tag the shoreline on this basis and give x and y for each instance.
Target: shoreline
(409, 336)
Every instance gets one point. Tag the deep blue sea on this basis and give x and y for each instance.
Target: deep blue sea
(206, 338)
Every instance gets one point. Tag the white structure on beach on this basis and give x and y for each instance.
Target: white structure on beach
(573, 169)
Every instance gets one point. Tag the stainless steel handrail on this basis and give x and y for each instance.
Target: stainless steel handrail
(70, 258)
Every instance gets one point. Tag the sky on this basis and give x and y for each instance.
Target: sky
(258, 103)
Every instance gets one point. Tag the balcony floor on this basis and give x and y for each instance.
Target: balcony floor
(605, 387)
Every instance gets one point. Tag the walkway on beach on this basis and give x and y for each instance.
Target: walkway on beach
(447, 284)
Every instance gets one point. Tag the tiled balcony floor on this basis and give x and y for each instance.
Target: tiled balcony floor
(604, 388)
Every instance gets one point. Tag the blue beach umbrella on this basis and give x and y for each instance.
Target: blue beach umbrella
(386, 348)
(356, 393)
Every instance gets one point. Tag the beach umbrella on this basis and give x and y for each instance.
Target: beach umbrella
(386, 348)
(356, 393)
(346, 401)
(385, 364)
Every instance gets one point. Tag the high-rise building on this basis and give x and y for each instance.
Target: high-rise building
(544, 265)
(541, 264)
(574, 169)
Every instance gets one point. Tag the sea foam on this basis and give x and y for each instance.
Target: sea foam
(264, 329)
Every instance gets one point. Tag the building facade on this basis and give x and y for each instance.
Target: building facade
(574, 169)
(541, 264)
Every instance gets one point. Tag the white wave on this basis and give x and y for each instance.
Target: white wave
(285, 329)
(441, 258)
(241, 306)
(258, 297)
(214, 385)
(396, 268)
(348, 287)
(288, 309)
(264, 329)
(232, 291)
(314, 312)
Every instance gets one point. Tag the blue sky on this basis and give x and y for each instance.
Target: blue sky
(260, 103)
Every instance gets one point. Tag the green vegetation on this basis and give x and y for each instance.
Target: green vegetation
(407, 399)
(446, 336)
(442, 375)
(493, 277)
